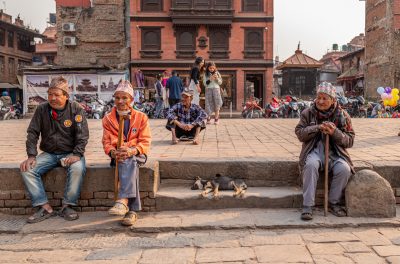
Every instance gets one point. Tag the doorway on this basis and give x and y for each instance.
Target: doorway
(254, 86)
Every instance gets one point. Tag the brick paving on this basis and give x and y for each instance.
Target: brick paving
(215, 246)
(376, 140)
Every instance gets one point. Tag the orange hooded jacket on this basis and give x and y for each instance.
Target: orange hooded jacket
(139, 135)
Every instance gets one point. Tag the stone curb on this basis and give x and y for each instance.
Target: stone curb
(200, 220)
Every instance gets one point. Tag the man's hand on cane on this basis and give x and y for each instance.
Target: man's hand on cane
(327, 128)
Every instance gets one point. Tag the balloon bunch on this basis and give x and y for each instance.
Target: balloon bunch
(389, 96)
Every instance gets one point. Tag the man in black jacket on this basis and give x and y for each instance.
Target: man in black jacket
(64, 134)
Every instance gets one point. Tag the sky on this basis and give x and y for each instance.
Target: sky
(317, 24)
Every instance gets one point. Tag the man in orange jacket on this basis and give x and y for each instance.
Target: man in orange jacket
(132, 153)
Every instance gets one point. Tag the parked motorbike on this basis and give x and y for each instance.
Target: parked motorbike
(98, 109)
(274, 109)
(252, 109)
(293, 110)
(5, 111)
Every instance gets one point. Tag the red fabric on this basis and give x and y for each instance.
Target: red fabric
(54, 114)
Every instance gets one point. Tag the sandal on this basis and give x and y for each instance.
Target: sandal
(306, 213)
(118, 209)
(129, 218)
(68, 213)
(40, 215)
(337, 210)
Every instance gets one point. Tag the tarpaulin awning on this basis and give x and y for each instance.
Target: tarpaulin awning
(9, 86)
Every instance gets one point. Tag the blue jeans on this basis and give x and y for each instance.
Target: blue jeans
(44, 163)
(159, 107)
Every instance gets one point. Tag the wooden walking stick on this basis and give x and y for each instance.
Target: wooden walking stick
(326, 175)
(119, 143)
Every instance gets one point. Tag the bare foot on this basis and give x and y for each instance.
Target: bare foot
(174, 142)
(196, 141)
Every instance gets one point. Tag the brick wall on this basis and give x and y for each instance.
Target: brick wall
(100, 35)
(382, 40)
(97, 193)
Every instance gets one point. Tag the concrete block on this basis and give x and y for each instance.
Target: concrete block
(5, 195)
(17, 194)
(83, 203)
(58, 195)
(255, 172)
(17, 203)
(1, 203)
(87, 209)
(101, 202)
(100, 195)
(149, 202)
(18, 211)
(5, 210)
(101, 208)
(86, 195)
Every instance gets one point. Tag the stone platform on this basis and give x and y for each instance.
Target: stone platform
(263, 152)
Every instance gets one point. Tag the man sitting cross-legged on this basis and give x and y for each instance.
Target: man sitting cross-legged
(186, 120)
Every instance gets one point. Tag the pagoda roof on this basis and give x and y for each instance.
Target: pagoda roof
(300, 60)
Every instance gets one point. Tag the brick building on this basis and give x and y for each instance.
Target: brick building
(16, 50)
(352, 76)
(92, 32)
(382, 50)
(46, 51)
(236, 34)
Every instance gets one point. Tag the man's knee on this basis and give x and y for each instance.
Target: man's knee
(312, 164)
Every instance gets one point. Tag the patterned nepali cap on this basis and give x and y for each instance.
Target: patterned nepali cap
(327, 88)
(125, 86)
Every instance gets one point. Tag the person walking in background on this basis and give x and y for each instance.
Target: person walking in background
(212, 80)
(131, 154)
(158, 96)
(175, 88)
(195, 73)
(164, 80)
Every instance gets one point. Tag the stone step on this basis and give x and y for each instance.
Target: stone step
(255, 171)
(181, 197)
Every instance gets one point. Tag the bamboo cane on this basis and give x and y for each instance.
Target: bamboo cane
(326, 175)
(120, 135)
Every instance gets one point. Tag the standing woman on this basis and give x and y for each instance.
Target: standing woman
(195, 79)
(132, 153)
(212, 81)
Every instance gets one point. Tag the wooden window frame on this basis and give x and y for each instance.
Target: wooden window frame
(219, 51)
(144, 9)
(150, 52)
(251, 51)
(181, 50)
(245, 6)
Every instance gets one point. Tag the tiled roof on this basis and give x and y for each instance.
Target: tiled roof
(300, 60)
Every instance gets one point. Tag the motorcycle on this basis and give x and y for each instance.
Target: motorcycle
(98, 109)
(293, 110)
(5, 112)
(274, 109)
(252, 109)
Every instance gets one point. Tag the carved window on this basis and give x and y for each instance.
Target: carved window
(2, 65)
(253, 43)
(2, 36)
(11, 66)
(151, 5)
(10, 36)
(252, 6)
(222, 4)
(203, 4)
(186, 42)
(151, 42)
(219, 42)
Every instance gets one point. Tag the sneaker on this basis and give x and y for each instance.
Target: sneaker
(129, 219)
